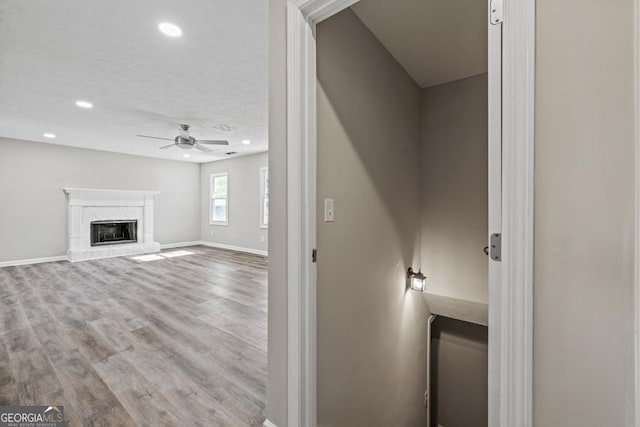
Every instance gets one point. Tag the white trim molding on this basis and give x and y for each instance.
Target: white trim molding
(179, 244)
(264, 195)
(29, 261)
(636, 288)
(511, 306)
(33, 261)
(234, 248)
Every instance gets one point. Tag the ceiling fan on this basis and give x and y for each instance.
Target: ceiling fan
(186, 141)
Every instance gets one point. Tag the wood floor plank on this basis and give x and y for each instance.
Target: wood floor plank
(140, 398)
(20, 340)
(34, 376)
(8, 387)
(94, 401)
(121, 342)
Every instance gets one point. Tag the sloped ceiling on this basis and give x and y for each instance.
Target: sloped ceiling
(435, 41)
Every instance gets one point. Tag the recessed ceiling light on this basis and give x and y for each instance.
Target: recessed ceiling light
(49, 135)
(169, 29)
(84, 104)
(246, 142)
(186, 155)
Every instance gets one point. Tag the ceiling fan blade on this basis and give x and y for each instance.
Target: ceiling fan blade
(167, 146)
(154, 137)
(213, 141)
(201, 148)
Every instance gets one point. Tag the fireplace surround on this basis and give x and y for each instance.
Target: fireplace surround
(90, 208)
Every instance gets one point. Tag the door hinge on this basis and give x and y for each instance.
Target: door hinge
(314, 255)
(495, 12)
(496, 247)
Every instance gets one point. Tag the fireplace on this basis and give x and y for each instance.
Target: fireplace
(94, 226)
(114, 232)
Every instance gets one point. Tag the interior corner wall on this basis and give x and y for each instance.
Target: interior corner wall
(583, 369)
(33, 207)
(243, 230)
(371, 331)
(455, 188)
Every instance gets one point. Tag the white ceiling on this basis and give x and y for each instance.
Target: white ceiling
(111, 53)
(435, 41)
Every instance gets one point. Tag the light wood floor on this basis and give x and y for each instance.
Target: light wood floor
(120, 342)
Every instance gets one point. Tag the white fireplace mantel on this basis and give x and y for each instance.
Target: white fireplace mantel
(93, 204)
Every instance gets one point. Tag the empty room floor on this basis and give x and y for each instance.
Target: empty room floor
(177, 340)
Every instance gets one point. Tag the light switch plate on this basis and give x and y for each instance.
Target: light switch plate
(328, 210)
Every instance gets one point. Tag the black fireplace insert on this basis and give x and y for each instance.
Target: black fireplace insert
(114, 232)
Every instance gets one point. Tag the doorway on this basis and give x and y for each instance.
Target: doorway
(509, 383)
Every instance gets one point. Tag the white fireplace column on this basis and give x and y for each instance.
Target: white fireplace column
(88, 204)
(148, 218)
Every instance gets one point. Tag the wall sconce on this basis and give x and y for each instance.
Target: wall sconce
(417, 281)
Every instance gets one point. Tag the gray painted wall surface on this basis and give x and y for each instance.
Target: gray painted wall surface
(277, 351)
(371, 342)
(454, 188)
(243, 229)
(459, 381)
(33, 211)
(584, 214)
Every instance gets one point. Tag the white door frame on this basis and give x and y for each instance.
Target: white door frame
(510, 301)
(636, 290)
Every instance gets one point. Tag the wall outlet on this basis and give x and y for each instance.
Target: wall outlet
(262, 238)
(211, 232)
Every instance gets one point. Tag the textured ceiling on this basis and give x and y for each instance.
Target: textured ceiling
(111, 53)
(435, 41)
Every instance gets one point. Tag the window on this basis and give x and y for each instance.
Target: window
(264, 197)
(219, 192)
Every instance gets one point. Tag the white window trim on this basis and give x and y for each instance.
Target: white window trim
(262, 197)
(211, 178)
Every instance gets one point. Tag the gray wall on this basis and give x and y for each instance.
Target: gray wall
(584, 218)
(277, 341)
(243, 229)
(371, 342)
(454, 188)
(584, 213)
(33, 212)
(459, 381)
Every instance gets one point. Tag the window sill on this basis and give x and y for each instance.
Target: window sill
(264, 227)
(223, 223)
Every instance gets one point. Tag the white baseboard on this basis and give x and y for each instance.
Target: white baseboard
(268, 423)
(179, 245)
(235, 248)
(33, 261)
(165, 246)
